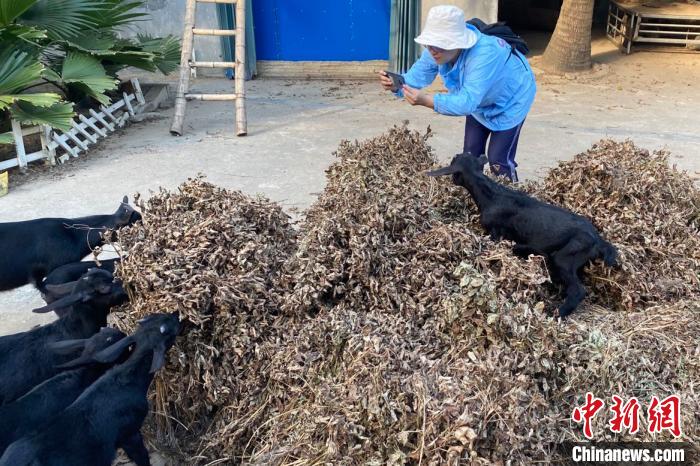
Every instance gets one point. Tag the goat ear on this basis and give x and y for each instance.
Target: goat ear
(64, 302)
(125, 200)
(448, 170)
(66, 346)
(61, 289)
(158, 358)
(112, 353)
(482, 160)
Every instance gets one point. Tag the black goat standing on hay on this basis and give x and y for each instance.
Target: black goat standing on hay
(567, 241)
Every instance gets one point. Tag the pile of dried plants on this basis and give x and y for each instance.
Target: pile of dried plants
(213, 255)
(390, 330)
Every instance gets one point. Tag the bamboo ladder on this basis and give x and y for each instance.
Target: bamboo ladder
(187, 64)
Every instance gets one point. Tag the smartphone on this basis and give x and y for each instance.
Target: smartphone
(396, 79)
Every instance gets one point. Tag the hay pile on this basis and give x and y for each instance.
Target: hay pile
(404, 336)
(647, 209)
(398, 292)
(428, 343)
(213, 255)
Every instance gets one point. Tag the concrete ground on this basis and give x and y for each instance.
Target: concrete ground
(294, 126)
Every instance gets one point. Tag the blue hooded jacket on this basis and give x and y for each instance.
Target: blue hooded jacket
(487, 82)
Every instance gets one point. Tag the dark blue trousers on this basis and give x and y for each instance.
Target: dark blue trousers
(502, 146)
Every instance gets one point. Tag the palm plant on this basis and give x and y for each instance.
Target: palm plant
(70, 47)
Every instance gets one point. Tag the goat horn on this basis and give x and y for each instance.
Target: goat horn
(61, 303)
(449, 170)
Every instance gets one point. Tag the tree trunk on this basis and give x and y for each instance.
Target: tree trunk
(569, 49)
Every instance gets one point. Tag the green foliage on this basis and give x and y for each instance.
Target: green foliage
(17, 71)
(72, 46)
(87, 73)
(115, 13)
(59, 115)
(12, 34)
(60, 18)
(6, 138)
(166, 51)
(40, 100)
(11, 9)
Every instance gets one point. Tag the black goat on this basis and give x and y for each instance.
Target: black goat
(60, 281)
(24, 359)
(34, 410)
(568, 241)
(109, 414)
(33, 248)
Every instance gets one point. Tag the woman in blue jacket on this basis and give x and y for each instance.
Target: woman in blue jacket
(489, 82)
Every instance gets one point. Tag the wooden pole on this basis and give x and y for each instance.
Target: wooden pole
(211, 97)
(92, 125)
(137, 91)
(49, 152)
(213, 32)
(241, 123)
(185, 57)
(79, 127)
(127, 98)
(102, 121)
(19, 144)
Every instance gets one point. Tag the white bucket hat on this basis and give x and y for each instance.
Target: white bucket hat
(445, 28)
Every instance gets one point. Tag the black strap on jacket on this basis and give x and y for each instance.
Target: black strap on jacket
(504, 32)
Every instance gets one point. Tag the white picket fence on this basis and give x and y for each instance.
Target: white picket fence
(85, 131)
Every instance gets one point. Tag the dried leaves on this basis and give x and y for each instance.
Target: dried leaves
(213, 255)
(391, 331)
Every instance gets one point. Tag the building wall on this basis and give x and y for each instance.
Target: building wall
(168, 16)
(321, 30)
(486, 10)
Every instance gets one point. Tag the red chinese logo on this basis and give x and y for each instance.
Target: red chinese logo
(624, 416)
(587, 412)
(665, 415)
(661, 415)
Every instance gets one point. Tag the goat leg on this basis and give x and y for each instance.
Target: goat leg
(523, 250)
(553, 270)
(575, 292)
(496, 234)
(135, 449)
(568, 261)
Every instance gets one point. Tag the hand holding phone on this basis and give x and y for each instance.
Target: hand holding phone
(396, 79)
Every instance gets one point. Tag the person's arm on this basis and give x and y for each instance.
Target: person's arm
(479, 75)
(421, 74)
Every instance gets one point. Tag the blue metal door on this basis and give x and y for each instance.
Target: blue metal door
(342, 30)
